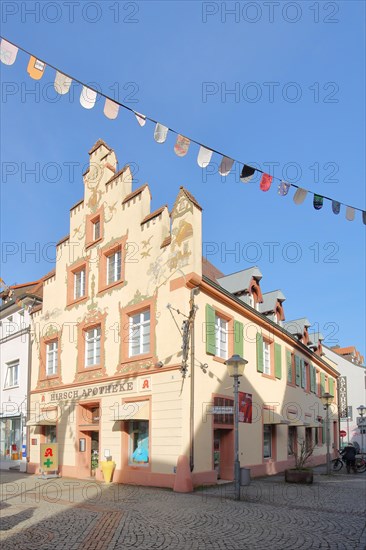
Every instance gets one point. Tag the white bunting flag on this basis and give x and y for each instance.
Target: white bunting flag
(350, 213)
(111, 109)
(88, 98)
(160, 133)
(300, 195)
(62, 83)
(141, 119)
(225, 166)
(204, 157)
(8, 52)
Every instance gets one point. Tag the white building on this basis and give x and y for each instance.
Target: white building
(352, 390)
(15, 331)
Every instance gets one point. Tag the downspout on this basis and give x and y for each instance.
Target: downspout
(28, 396)
(192, 314)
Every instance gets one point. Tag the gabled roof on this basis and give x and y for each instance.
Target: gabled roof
(240, 281)
(135, 193)
(190, 197)
(270, 300)
(297, 326)
(154, 214)
(210, 271)
(97, 144)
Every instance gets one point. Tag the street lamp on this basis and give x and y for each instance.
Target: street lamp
(235, 366)
(327, 400)
(361, 411)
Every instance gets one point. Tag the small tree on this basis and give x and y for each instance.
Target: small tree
(302, 451)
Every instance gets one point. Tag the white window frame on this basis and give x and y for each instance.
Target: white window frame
(93, 344)
(52, 358)
(115, 274)
(12, 381)
(138, 323)
(266, 358)
(221, 332)
(79, 289)
(96, 224)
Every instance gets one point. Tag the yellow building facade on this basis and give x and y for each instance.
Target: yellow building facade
(130, 344)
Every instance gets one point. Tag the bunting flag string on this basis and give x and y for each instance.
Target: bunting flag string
(36, 68)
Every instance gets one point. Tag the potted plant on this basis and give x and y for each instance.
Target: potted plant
(94, 461)
(302, 451)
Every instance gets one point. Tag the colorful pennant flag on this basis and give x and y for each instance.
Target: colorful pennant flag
(266, 182)
(204, 157)
(111, 109)
(225, 166)
(336, 207)
(8, 52)
(300, 195)
(62, 83)
(88, 98)
(141, 119)
(160, 133)
(181, 146)
(283, 188)
(247, 173)
(35, 68)
(318, 202)
(350, 213)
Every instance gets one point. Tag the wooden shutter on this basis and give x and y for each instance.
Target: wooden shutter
(303, 374)
(238, 338)
(298, 370)
(278, 361)
(289, 365)
(312, 378)
(322, 383)
(210, 330)
(259, 352)
(331, 386)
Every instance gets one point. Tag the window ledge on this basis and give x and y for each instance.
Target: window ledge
(11, 387)
(219, 359)
(134, 358)
(92, 243)
(77, 301)
(112, 286)
(269, 376)
(90, 368)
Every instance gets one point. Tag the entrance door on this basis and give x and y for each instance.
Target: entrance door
(216, 452)
(224, 453)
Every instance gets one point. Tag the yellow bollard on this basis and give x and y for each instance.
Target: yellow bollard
(107, 467)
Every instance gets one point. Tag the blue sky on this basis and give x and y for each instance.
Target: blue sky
(298, 111)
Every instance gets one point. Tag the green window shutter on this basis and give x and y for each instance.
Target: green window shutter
(259, 352)
(210, 330)
(289, 365)
(322, 383)
(238, 338)
(297, 370)
(331, 386)
(312, 378)
(278, 361)
(303, 374)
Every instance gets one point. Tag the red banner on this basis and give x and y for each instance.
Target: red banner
(245, 407)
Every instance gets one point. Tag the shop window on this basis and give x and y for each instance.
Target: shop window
(114, 266)
(49, 433)
(267, 440)
(52, 358)
(10, 438)
(12, 375)
(139, 333)
(292, 440)
(223, 410)
(92, 346)
(138, 453)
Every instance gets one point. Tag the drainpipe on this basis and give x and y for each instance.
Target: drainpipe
(28, 395)
(192, 314)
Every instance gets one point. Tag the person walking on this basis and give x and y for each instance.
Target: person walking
(349, 455)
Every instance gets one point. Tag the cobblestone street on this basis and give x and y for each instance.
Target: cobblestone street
(72, 514)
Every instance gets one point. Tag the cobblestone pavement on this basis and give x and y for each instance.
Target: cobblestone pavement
(71, 514)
